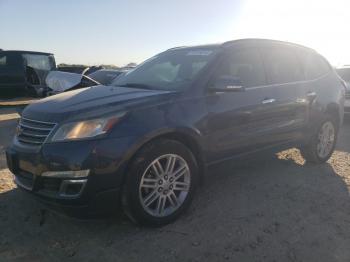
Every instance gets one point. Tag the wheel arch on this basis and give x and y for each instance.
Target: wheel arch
(188, 137)
(334, 111)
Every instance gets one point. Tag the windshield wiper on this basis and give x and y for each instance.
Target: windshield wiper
(138, 85)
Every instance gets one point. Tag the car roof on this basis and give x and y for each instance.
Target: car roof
(344, 67)
(25, 52)
(244, 41)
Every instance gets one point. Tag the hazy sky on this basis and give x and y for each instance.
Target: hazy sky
(118, 32)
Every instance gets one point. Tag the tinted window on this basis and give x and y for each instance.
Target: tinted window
(244, 64)
(314, 65)
(282, 65)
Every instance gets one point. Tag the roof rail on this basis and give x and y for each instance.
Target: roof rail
(177, 47)
(228, 43)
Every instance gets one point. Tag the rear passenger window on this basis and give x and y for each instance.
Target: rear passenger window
(246, 65)
(282, 65)
(314, 65)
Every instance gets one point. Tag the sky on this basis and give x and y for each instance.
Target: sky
(123, 31)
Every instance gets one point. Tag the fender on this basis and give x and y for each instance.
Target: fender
(193, 139)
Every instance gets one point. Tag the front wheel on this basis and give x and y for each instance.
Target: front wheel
(161, 183)
(321, 145)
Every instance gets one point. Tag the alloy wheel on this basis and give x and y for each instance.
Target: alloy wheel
(326, 139)
(164, 185)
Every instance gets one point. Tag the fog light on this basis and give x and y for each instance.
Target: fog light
(72, 188)
(67, 174)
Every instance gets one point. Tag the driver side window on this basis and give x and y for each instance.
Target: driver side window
(245, 65)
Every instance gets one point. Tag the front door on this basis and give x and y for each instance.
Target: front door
(240, 122)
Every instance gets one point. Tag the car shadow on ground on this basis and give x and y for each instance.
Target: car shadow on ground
(274, 207)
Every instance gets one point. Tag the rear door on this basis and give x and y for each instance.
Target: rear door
(316, 88)
(285, 77)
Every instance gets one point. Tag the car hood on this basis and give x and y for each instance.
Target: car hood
(93, 101)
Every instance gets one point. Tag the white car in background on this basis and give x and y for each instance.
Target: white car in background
(344, 73)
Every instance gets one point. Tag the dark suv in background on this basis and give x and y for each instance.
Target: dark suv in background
(344, 73)
(146, 140)
(24, 72)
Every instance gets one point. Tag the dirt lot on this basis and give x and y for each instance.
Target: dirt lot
(274, 208)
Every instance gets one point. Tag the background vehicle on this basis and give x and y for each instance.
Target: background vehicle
(105, 76)
(78, 69)
(24, 72)
(58, 82)
(344, 73)
(146, 141)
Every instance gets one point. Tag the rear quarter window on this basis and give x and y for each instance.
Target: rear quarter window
(314, 65)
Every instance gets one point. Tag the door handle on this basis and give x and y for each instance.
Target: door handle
(268, 101)
(311, 95)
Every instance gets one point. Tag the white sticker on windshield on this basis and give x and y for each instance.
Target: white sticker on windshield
(200, 52)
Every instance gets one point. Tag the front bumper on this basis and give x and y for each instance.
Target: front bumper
(347, 105)
(98, 193)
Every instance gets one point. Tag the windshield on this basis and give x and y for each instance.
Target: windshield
(41, 62)
(170, 70)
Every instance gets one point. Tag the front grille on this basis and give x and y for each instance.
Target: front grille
(347, 95)
(33, 132)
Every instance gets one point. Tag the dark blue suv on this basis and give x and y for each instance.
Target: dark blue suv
(145, 141)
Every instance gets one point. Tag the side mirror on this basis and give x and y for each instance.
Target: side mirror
(227, 84)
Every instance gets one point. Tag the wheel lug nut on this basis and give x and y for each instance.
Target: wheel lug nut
(171, 186)
(165, 177)
(160, 189)
(171, 179)
(165, 192)
(160, 182)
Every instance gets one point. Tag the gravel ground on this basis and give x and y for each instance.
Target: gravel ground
(271, 208)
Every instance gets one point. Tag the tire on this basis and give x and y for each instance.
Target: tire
(154, 197)
(312, 151)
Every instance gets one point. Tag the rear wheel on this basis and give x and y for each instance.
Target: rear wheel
(160, 184)
(321, 145)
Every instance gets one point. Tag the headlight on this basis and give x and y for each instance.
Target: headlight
(85, 129)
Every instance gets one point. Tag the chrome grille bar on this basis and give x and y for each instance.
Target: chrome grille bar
(33, 132)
